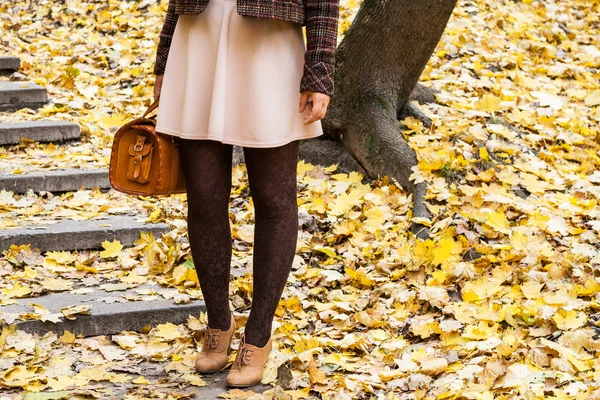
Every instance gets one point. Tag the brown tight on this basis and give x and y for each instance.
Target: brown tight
(272, 181)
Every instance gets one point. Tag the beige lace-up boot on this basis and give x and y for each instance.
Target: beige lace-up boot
(247, 369)
(215, 350)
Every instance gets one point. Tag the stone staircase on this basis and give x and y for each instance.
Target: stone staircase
(70, 235)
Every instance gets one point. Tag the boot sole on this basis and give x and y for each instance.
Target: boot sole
(243, 385)
(212, 371)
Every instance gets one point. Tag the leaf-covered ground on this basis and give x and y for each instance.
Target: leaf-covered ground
(501, 302)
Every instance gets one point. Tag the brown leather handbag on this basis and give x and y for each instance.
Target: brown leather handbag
(145, 162)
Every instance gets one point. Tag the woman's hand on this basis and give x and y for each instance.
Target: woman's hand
(158, 86)
(317, 107)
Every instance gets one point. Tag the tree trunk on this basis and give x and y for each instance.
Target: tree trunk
(377, 66)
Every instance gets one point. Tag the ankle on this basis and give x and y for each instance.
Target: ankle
(222, 324)
(258, 340)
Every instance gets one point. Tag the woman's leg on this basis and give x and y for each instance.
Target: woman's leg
(207, 170)
(272, 180)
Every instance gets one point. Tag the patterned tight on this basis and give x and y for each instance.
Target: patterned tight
(272, 181)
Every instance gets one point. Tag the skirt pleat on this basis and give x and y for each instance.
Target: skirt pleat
(234, 79)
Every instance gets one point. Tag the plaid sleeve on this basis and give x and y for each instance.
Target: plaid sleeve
(321, 38)
(164, 42)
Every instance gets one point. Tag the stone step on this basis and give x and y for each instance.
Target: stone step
(38, 131)
(59, 180)
(110, 311)
(69, 235)
(8, 65)
(15, 95)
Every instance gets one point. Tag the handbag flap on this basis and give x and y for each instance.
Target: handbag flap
(140, 146)
(144, 152)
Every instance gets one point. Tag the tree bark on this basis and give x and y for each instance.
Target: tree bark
(377, 66)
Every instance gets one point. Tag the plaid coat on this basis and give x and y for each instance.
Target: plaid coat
(319, 16)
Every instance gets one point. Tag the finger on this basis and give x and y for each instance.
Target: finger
(319, 109)
(303, 101)
(323, 106)
(314, 115)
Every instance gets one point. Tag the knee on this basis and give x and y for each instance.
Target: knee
(204, 201)
(276, 205)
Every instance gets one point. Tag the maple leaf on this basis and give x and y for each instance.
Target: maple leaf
(111, 249)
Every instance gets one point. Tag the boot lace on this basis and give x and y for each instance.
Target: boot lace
(245, 355)
(212, 339)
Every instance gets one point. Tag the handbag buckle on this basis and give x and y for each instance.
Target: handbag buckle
(140, 143)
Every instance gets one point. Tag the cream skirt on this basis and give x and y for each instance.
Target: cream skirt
(234, 79)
